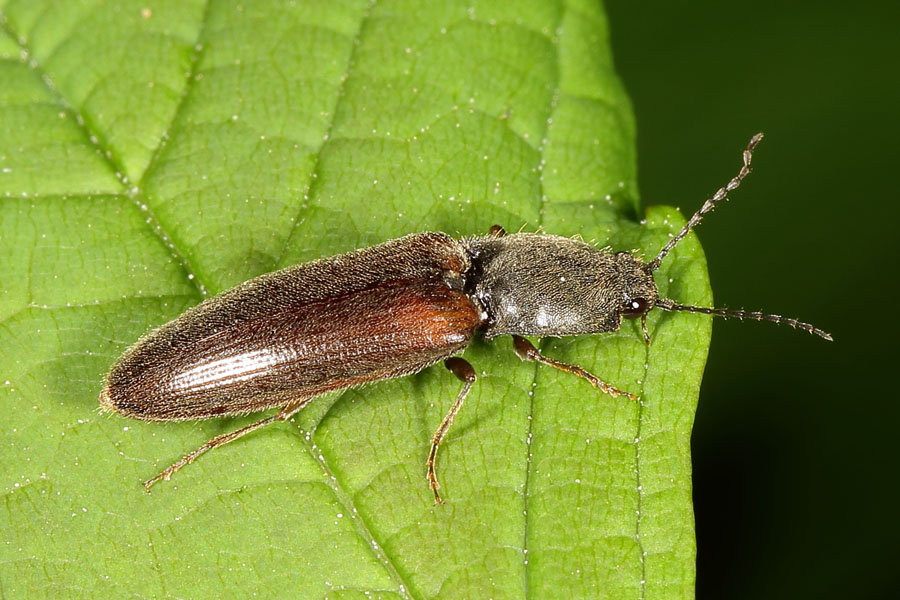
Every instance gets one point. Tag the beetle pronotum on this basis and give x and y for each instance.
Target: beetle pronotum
(281, 339)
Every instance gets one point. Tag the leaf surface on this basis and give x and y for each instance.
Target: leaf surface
(155, 152)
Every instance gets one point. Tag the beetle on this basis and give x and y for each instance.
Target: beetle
(282, 339)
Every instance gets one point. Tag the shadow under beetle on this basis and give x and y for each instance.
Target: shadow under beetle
(283, 338)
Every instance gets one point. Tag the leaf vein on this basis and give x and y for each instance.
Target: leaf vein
(106, 153)
(326, 137)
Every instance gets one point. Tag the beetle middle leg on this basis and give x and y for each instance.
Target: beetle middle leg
(464, 371)
(220, 440)
(526, 351)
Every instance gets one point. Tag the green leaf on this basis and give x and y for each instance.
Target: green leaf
(152, 152)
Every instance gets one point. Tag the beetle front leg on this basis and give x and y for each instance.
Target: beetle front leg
(464, 371)
(526, 351)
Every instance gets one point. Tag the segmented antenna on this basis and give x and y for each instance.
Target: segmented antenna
(709, 204)
(667, 304)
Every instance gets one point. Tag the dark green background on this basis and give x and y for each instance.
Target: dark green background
(794, 444)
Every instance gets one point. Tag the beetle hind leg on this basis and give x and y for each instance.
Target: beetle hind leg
(220, 440)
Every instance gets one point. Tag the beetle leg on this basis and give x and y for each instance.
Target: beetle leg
(464, 371)
(527, 351)
(282, 415)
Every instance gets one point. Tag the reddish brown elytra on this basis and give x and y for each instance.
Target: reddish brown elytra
(284, 338)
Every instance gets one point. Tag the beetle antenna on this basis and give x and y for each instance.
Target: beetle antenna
(710, 204)
(666, 304)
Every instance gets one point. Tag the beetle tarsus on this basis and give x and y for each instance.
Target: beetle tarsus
(432, 475)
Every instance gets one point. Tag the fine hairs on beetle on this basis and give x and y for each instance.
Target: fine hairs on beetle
(283, 338)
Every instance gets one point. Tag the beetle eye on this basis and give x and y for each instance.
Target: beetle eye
(634, 307)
